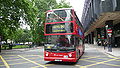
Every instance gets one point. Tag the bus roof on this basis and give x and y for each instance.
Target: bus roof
(61, 9)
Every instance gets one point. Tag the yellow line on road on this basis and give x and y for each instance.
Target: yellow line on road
(44, 65)
(104, 58)
(11, 58)
(90, 61)
(2, 65)
(23, 59)
(89, 58)
(15, 60)
(19, 63)
(49, 64)
(117, 60)
(32, 61)
(33, 55)
(107, 54)
(29, 55)
(9, 55)
(5, 63)
(0, 61)
(101, 62)
(35, 67)
(81, 66)
(112, 64)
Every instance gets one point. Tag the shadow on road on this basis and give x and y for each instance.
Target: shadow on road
(61, 63)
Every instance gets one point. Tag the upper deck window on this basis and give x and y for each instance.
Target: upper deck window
(58, 16)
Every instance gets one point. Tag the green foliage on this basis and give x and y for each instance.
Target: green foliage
(43, 6)
(63, 4)
(32, 12)
(20, 46)
(14, 47)
(22, 35)
(15, 12)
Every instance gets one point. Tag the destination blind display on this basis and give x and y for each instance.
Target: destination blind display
(59, 28)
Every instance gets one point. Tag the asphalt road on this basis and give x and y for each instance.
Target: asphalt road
(33, 58)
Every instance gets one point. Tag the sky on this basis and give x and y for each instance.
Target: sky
(77, 5)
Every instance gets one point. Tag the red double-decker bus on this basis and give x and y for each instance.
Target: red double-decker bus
(64, 36)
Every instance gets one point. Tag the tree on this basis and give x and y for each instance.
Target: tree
(43, 6)
(63, 4)
(32, 12)
(15, 12)
(22, 35)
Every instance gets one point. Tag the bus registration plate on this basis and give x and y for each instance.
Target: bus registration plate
(58, 60)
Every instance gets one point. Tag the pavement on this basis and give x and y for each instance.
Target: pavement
(115, 51)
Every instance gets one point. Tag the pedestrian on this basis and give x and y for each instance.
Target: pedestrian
(105, 44)
(10, 45)
(99, 43)
(0, 45)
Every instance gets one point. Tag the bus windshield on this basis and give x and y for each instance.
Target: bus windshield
(58, 16)
(60, 43)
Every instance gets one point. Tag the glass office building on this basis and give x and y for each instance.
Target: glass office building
(99, 16)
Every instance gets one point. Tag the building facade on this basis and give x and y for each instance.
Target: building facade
(101, 20)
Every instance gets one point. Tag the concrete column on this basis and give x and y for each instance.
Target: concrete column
(86, 39)
(98, 30)
(92, 39)
(95, 37)
(89, 39)
(103, 35)
(98, 33)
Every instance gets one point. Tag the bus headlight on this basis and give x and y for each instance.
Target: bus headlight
(70, 55)
(46, 54)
